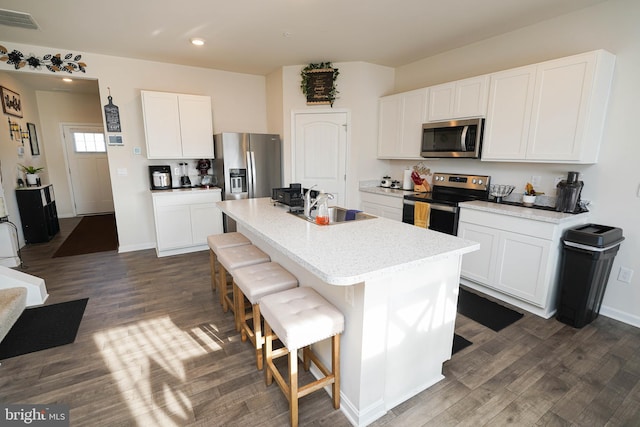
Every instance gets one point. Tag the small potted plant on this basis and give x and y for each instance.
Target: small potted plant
(32, 174)
(529, 196)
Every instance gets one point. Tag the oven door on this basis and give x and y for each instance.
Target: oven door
(443, 218)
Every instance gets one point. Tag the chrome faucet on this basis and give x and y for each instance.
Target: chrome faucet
(308, 205)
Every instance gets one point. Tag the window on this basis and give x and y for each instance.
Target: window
(89, 142)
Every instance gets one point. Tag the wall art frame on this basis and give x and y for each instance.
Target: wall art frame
(33, 139)
(318, 83)
(11, 103)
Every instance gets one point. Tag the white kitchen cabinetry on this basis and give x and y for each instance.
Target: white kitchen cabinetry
(184, 219)
(380, 205)
(400, 119)
(551, 112)
(518, 258)
(459, 99)
(177, 126)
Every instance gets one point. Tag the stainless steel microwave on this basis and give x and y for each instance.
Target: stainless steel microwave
(455, 138)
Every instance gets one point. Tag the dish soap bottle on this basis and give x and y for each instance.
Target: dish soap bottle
(322, 217)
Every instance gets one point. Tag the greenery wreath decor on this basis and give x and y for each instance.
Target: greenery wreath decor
(319, 83)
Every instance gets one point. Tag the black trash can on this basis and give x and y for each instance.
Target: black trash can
(587, 258)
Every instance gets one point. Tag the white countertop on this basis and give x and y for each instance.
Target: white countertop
(387, 191)
(186, 190)
(522, 212)
(345, 253)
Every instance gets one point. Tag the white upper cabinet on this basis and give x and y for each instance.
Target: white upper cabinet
(508, 119)
(177, 126)
(400, 119)
(459, 99)
(552, 112)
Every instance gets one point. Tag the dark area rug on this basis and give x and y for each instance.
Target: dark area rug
(96, 233)
(487, 313)
(40, 328)
(459, 343)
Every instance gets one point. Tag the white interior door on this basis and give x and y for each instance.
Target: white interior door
(88, 169)
(320, 152)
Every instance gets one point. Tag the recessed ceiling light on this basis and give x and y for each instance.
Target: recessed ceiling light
(67, 79)
(197, 42)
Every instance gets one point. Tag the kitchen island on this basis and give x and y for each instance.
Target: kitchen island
(396, 284)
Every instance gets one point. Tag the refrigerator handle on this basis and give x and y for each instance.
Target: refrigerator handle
(250, 175)
(253, 174)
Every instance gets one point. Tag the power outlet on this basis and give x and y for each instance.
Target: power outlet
(625, 274)
(557, 180)
(535, 180)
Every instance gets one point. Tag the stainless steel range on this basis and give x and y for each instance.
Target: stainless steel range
(448, 191)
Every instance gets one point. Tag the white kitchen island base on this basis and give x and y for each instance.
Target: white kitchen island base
(398, 294)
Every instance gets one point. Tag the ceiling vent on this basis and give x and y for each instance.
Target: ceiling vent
(17, 19)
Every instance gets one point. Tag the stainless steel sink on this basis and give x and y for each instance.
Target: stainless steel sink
(337, 215)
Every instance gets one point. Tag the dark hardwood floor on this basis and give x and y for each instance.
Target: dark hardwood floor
(154, 348)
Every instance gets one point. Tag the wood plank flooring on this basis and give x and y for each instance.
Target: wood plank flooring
(155, 348)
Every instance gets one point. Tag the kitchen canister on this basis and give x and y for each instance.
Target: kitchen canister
(407, 183)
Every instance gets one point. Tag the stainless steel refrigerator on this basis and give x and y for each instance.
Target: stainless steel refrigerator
(247, 165)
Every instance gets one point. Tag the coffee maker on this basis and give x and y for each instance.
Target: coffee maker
(160, 177)
(569, 190)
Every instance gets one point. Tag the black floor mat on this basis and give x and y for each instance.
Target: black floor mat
(43, 327)
(487, 313)
(459, 343)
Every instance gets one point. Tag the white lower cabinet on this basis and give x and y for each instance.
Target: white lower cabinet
(184, 220)
(383, 206)
(518, 258)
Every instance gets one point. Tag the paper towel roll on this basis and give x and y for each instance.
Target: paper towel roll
(407, 183)
(3, 211)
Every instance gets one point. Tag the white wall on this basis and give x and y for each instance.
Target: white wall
(614, 182)
(9, 158)
(55, 108)
(238, 101)
(360, 85)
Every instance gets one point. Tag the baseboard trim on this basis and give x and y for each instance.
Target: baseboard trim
(621, 316)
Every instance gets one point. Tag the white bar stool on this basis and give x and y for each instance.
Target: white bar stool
(231, 259)
(222, 241)
(255, 282)
(300, 317)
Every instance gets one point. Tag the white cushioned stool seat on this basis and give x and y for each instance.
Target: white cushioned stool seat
(227, 240)
(221, 241)
(231, 259)
(255, 282)
(301, 317)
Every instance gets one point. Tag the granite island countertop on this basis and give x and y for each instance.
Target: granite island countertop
(345, 253)
(523, 212)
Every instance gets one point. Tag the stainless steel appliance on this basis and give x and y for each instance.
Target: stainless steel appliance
(448, 190)
(452, 139)
(160, 177)
(247, 165)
